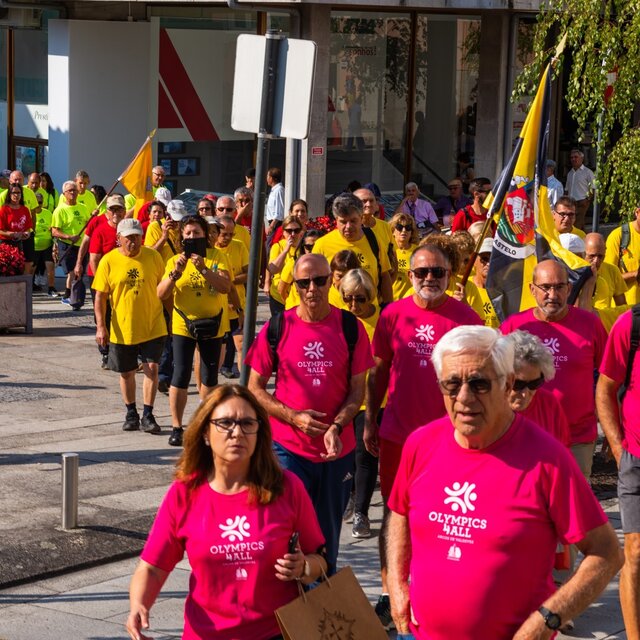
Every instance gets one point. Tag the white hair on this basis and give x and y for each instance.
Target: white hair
(476, 339)
(68, 183)
(528, 349)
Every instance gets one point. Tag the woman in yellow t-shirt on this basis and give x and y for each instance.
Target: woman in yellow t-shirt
(405, 235)
(198, 286)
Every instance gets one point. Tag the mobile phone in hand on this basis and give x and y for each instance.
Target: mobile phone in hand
(195, 245)
(293, 542)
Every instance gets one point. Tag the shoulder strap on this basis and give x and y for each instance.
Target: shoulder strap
(625, 240)
(350, 331)
(633, 345)
(375, 248)
(175, 253)
(274, 333)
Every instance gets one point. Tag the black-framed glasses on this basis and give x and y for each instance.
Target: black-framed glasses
(308, 247)
(293, 231)
(521, 385)
(404, 227)
(358, 299)
(479, 386)
(422, 272)
(485, 258)
(565, 214)
(319, 281)
(248, 426)
(229, 209)
(561, 287)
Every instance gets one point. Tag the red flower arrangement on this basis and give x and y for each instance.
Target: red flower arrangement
(11, 261)
(323, 223)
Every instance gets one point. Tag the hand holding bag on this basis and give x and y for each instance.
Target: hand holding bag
(337, 608)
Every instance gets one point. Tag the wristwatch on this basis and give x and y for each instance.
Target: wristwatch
(340, 427)
(551, 620)
(204, 271)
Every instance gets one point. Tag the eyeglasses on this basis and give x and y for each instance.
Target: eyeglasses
(70, 190)
(404, 227)
(243, 200)
(422, 272)
(548, 288)
(565, 214)
(478, 386)
(160, 175)
(292, 231)
(358, 299)
(230, 209)
(205, 209)
(308, 247)
(521, 385)
(484, 259)
(319, 281)
(453, 186)
(248, 426)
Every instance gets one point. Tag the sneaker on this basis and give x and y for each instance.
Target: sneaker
(149, 424)
(361, 526)
(65, 301)
(383, 611)
(36, 288)
(104, 363)
(175, 439)
(52, 293)
(348, 512)
(235, 372)
(131, 422)
(163, 386)
(226, 372)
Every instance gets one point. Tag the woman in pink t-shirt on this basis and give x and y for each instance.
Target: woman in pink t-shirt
(533, 367)
(236, 513)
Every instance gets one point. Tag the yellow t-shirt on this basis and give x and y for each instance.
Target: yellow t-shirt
(194, 296)
(42, 236)
(154, 233)
(49, 201)
(471, 293)
(630, 258)
(70, 219)
(28, 196)
(383, 234)
(370, 327)
(608, 284)
(289, 262)
(131, 282)
(334, 242)
(87, 199)
(488, 312)
(237, 257)
(578, 232)
(293, 298)
(241, 233)
(130, 202)
(402, 285)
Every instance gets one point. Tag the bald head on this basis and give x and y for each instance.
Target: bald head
(16, 177)
(551, 270)
(33, 181)
(595, 249)
(311, 261)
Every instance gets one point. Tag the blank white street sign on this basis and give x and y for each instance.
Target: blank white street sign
(294, 86)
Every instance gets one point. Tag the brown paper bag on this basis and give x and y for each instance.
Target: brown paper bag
(336, 609)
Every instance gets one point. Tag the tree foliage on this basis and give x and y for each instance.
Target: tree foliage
(603, 37)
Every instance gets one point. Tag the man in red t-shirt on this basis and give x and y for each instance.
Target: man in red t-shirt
(474, 212)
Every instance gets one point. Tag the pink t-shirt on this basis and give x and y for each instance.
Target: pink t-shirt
(313, 364)
(614, 366)
(484, 524)
(232, 548)
(405, 336)
(577, 344)
(545, 410)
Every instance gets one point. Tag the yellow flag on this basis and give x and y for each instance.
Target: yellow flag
(137, 176)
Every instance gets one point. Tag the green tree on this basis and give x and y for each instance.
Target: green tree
(603, 37)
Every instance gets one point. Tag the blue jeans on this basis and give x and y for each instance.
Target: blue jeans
(329, 486)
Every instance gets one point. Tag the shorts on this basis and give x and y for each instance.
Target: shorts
(124, 357)
(68, 256)
(629, 492)
(390, 453)
(46, 255)
(29, 249)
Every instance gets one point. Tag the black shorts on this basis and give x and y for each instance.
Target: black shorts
(68, 256)
(124, 357)
(29, 249)
(629, 492)
(46, 255)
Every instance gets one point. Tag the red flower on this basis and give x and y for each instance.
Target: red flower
(11, 261)
(323, 223)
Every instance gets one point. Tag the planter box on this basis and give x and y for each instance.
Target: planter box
(16, 305)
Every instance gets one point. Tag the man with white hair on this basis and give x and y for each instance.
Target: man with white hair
(485, 492)
(226, 206)
(580, 185)
(554, 187)
(157, 178)
(420, 210)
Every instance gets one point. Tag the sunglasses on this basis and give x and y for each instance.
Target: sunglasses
(521, 385)
(422, 272)
(478, 386)
(485, 259)
(308, 247)
(358, 299)
(205, 209)
(319, 281)
(404, 227)
(292, 231)
(225, 209)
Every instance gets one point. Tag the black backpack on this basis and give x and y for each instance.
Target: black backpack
(349, 329)
(633, 347)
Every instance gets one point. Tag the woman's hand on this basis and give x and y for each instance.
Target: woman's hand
(290, 566)
(181, 262)
(198, 261)
(138, 619)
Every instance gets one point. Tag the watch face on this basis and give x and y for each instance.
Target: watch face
(553, 621)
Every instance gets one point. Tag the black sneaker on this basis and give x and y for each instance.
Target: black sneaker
(52, 293)
(175, 439)
(163, 386)
(361, 526)
(104, 363)
(131, 422)
(383, 611)
(226, 372)
(149, 424)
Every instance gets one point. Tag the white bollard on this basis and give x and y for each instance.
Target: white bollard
(70, 464)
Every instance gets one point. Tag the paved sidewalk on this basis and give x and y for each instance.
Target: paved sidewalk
(54, 398)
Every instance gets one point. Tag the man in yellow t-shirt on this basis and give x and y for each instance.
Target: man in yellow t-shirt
(350, 234)
(626, 259)
(226, 206)
(128, 277)
(238, 260)
(17, 178)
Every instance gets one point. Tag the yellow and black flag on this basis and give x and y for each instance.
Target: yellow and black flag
(526, 234)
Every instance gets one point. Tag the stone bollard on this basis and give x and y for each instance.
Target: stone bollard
(70, 464)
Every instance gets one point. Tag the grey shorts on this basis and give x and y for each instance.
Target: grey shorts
(629, 492)
(124, 357)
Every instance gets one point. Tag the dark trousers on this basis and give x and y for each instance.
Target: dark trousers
(366, 467)
(165, 367)
(107, 318)
(230, 353)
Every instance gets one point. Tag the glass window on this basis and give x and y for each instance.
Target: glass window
(367, 102)
(3, 98)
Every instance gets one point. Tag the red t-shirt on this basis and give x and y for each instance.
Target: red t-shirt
(94, 223)
(15, 220)
(103, 240)
(313, 373)
(466, 217)
(577, 343)
(484, 524)
(232, 548)
(405, 337)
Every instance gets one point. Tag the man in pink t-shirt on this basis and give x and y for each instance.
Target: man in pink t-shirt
(480, 500)
(576, 339)
(319, 389)
(622, 428)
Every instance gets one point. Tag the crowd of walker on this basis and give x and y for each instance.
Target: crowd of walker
(481, 434)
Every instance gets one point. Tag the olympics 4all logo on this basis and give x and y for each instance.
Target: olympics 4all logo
(461, 497)
(314, 350)
(425, 332)
(553, 344)
(236, 529)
